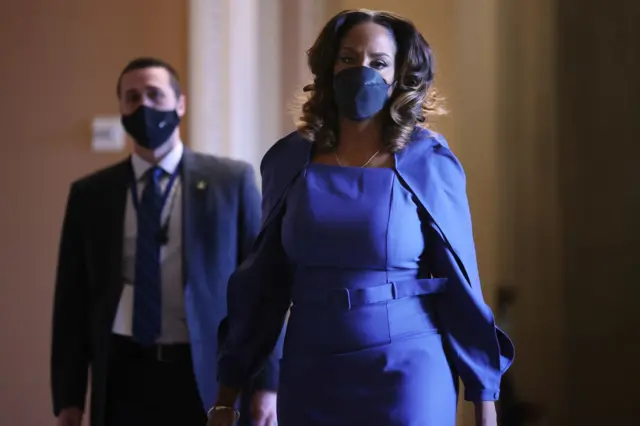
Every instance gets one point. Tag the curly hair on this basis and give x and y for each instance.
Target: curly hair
(414, 99)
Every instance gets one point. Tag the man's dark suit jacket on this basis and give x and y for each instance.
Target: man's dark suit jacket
(221, 217)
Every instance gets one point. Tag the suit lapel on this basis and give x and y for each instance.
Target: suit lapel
(196, 202)
(114, 200)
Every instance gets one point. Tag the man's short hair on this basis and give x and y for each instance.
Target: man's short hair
(149, 62)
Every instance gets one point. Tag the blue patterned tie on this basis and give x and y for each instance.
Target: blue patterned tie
(147, 315)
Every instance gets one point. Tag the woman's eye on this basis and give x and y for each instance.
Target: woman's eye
(346, 59)
(378, 65)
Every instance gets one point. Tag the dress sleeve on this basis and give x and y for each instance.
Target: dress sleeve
(479, 351)
(258, 298)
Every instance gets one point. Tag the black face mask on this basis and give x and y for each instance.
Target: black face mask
(360, 92)
(149, 127)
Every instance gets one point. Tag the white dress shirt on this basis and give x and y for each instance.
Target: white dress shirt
(174, 326)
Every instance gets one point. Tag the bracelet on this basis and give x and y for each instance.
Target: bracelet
(236, 413)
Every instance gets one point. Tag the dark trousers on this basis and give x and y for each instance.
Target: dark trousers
(152, 386)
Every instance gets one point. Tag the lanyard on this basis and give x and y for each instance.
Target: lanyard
(165, 195)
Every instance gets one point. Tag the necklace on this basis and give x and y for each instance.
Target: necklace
(335, 154)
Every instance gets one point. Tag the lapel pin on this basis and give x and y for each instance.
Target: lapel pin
(201, 185)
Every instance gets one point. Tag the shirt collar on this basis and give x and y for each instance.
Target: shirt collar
(169, 162)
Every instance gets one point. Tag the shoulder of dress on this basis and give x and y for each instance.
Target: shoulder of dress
(429, 159)
(291, 148)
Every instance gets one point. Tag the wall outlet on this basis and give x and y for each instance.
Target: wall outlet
(108, 135)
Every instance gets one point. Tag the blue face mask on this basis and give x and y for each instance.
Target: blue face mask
(149, 127)
(360, 92)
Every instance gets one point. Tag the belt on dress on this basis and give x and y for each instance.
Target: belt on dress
(348, 298)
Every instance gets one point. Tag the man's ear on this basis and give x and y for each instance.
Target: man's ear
(181, 108)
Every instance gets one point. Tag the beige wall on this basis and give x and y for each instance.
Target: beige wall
(598, 150)
(531, 217)
(59, 65)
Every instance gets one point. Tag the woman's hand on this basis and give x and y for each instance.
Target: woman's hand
(486, 414)
(264, 408)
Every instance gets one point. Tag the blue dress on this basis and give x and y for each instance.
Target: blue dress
(363, 343)
(388, 309)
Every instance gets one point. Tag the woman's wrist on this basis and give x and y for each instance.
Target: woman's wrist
(485, 413)
(231, 410)
(227, 397)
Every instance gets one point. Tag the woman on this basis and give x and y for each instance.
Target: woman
(367, 236)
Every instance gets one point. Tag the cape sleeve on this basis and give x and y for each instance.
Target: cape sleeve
(480, 352)
(258, 298)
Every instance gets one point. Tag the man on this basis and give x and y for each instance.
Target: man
(147, 248)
